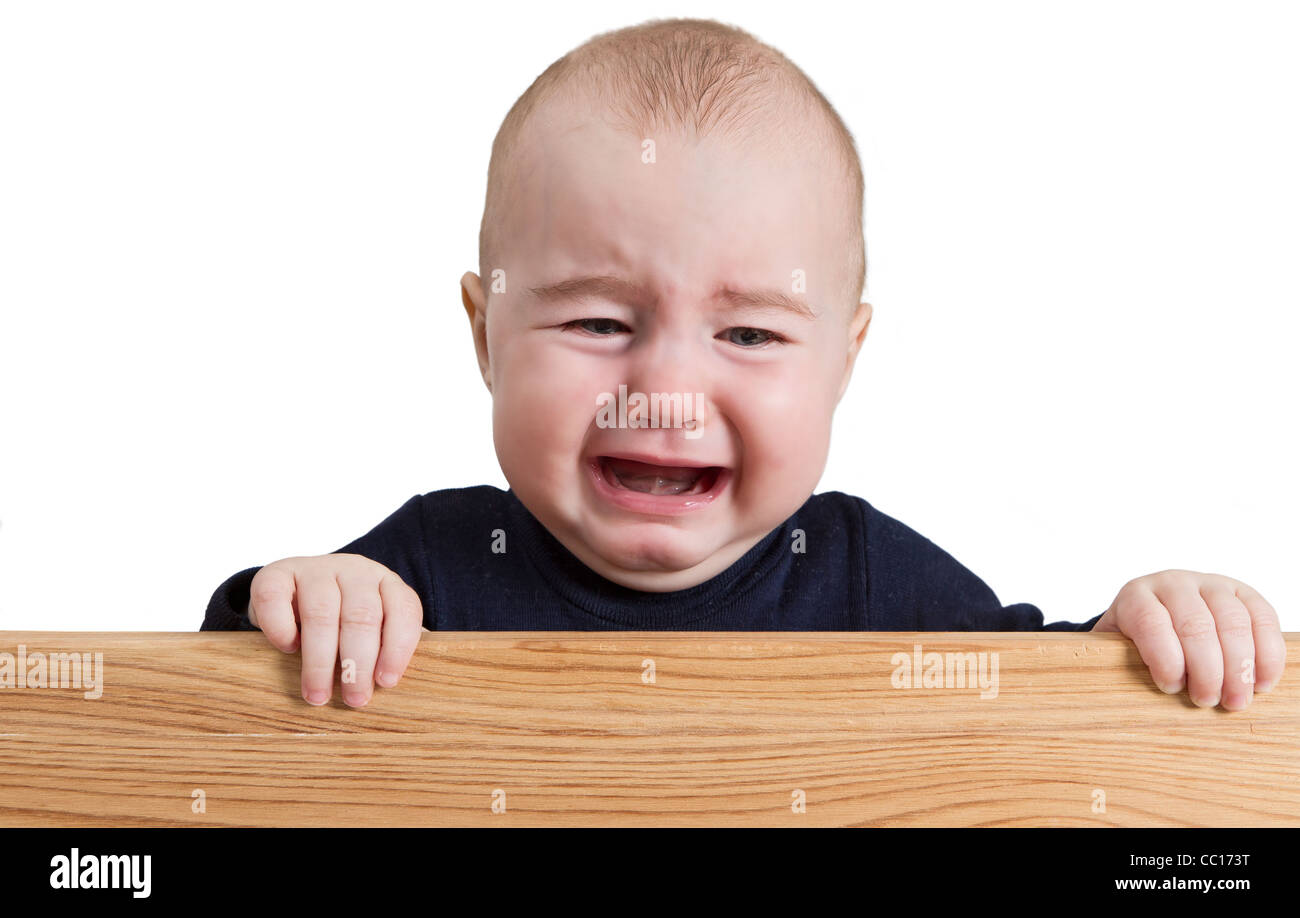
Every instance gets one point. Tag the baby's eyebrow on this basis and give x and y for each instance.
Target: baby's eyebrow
(764, 299)
(610, 287)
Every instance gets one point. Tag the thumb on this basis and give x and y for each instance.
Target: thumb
(1108, 621)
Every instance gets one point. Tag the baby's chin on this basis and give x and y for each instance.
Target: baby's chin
(651, 557)
(649, 548)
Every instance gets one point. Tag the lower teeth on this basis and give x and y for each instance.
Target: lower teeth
(653, 484)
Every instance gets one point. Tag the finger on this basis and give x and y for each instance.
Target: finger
(1270, 646)
(360, 615)
(1236, 638)
(318, 615)
(270, 606)
(1196, 630)
(403, 622)
(1147, 623)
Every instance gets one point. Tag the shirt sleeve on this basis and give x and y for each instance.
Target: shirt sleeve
(914, 585)
(397, 543)
(226, 607)
(956, 599)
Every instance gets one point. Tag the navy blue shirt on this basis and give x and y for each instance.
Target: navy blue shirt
(858, 570)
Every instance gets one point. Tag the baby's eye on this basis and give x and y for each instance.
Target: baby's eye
(751, 337)
(601, 327)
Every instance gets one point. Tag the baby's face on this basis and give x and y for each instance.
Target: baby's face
(664, 277)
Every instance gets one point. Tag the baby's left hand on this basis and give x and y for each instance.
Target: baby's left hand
(1214, 634)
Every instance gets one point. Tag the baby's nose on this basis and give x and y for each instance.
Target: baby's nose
(676, 387)
(685, 413)
(663, 362)
(662, 422)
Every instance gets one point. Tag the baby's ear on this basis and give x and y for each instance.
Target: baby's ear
(858, 327)
(475, 302)
(857, 334)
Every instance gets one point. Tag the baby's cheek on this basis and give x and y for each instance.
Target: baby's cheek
(797, 450)
(540, 418)
(786, 436)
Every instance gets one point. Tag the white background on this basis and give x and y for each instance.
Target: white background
(231, 236)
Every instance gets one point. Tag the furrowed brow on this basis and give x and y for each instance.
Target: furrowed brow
(764, 299)
(618, 290)
(602, 286)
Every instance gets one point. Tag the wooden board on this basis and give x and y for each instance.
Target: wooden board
(564, 728)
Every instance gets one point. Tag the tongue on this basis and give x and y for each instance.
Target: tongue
(652, 479)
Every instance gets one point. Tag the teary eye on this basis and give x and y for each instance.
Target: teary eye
(751, 337)
(600, 327)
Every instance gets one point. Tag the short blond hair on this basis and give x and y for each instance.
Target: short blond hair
(667, 74)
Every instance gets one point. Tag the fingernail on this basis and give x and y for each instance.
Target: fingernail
(317, 697)
(1265, 686)
(1172, 688)
(386, 679)
(1207, 702)
(354, 700)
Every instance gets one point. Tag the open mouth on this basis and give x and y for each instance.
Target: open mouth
(659, 480)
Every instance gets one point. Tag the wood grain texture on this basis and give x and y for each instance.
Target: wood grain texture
(564, 726)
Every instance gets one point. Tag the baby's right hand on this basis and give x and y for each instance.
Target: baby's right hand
(350, 608)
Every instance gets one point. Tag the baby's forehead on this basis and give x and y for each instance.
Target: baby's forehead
(779, 122)
(572, 143)
(561, 175)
